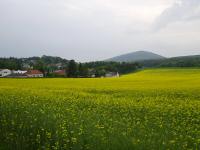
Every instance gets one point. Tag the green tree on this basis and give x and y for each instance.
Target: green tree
(82, 70)
(72, 69)
(39, 66)
(100, 72)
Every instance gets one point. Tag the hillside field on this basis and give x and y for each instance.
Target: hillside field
(150, 109)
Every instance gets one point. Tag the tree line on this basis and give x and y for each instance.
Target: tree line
(48, 64)
(99, 68)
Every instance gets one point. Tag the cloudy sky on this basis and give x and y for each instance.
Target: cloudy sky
(88, 30)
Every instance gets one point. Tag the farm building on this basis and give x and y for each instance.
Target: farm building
(34, 74)
(19, 72)
(5, 72)
(112, 74)
(60, 72)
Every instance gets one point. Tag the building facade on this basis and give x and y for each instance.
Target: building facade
(5, 72)
(34, 74)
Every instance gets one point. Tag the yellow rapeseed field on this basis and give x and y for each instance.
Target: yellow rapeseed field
(150, 109)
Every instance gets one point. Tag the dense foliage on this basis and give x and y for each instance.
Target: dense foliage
(11, 63)
(186, 61)
(151, 109)
(72, 69)
(40, 63)
(120, 67)
(48, 64)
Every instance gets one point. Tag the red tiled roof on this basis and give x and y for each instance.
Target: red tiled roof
(34, 72)
(60, 72)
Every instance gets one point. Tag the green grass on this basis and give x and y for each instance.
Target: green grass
(150, 109)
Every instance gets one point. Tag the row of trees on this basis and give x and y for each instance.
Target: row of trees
(11, 63)
(99, 68)
(31, 62)
(77, 70)
(48, 65)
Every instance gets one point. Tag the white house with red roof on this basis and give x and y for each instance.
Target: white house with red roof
(60, 72)
(5, 72)
(34, 74)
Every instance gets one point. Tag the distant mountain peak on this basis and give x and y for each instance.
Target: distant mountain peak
(136, 56)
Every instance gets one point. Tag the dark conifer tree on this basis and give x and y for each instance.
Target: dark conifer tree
(72, 69)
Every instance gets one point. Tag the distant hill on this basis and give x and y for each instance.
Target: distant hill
(136, 56)
(181, 61)
(134, 60)
(149, 59)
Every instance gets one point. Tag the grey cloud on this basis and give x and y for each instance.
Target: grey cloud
(182, 10)
(92, 29)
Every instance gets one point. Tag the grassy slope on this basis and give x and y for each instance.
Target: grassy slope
(158, 109)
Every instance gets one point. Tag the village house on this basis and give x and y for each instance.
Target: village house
(60, 72)
(26, 66)
(5, 72)
(59, 65)
(112, 74)
(17, 74)
(93, 76)
(19, 71)
(34, 74)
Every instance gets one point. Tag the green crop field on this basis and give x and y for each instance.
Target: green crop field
(150, 109)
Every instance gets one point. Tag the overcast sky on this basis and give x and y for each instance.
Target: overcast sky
(88, 30)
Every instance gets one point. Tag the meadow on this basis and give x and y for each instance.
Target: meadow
(150, 109)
